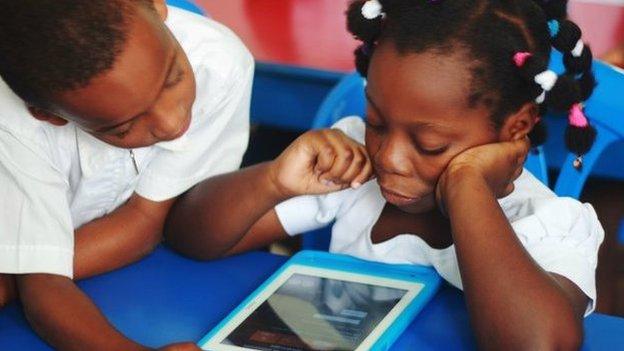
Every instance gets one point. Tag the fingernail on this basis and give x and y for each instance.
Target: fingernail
(356, 185)
(327, 182)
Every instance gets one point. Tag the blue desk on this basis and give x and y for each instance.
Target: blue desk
(167, 298)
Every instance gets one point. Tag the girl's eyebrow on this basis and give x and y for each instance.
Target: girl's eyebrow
(372, 103)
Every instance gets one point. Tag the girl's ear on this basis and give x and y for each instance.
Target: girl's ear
(161, 8)
(519, 125)
(46, 116)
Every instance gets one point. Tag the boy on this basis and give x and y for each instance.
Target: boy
(107, 113)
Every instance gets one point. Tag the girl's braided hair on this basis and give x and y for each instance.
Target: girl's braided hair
(508, 45)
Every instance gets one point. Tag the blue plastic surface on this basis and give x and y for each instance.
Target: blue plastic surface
(166, 298)
(287, 96)
(318, 259)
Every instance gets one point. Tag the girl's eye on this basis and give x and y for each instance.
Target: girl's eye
(376, 127)
(433, 152)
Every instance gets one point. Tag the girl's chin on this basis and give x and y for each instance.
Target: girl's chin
(423, 205)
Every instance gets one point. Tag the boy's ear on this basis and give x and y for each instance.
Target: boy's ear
(46, 116)
(519, 125)
(161, 8)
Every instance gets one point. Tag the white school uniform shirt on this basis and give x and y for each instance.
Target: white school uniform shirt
(561, 234)
(55, 179)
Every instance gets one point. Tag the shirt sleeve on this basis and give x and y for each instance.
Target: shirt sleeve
(309, 212)
(36, 232)
(563, 236)
(215, 143)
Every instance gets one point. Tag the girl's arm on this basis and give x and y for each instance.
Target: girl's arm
(513, 303)
(234, 212)
(68, 320)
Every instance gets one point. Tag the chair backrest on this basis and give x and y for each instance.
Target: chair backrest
(605, 108)
(606, 112)
(187, 5)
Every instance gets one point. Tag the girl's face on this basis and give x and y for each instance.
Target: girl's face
(418, 119)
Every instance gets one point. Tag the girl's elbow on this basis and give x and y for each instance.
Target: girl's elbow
(563, 338)
(555, 334)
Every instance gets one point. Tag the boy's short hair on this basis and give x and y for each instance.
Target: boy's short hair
(53, 46)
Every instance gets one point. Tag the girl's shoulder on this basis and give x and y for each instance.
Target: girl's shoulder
(535, 210)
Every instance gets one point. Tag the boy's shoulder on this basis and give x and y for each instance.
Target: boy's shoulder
(17, 123)
(208, 43)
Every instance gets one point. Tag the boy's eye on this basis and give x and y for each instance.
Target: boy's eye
(122, 134)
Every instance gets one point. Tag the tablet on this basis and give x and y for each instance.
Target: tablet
(324, 301)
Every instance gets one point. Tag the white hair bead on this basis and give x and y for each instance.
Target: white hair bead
(546, 79)
(578, 48)
(372, 9)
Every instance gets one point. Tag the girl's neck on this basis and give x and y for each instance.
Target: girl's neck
(430, 226)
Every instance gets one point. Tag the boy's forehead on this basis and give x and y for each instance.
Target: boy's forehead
(134, 81)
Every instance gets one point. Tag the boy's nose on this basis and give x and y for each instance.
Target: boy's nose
(169, 125)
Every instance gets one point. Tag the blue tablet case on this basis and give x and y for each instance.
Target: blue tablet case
(321, 259)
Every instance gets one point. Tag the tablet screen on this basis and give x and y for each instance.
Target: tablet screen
(315, 313)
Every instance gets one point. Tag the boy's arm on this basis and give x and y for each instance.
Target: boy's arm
(234, 212)
(513, 302)
(67, 319)
(122, 237)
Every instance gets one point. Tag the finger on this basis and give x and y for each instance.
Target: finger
(366, 173)
(342, 162)
(345, 154)
(358, 162)
(324, 160)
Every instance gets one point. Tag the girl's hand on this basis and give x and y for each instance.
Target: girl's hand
(319, 162)
(183, 346)
(498, 164)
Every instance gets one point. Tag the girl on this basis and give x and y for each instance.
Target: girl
(454, 89)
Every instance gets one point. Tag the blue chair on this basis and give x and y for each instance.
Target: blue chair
(187, 5)
(604, 108)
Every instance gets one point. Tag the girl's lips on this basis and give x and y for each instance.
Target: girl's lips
(396, 198)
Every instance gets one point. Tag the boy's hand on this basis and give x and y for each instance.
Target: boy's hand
(319, 162)
(498, 164)
(7, 289)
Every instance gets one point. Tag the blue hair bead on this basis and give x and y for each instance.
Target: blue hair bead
(553, 28)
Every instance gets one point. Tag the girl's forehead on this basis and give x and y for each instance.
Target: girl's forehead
(427, 88)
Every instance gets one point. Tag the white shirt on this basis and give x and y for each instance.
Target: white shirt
(561, 234)
(55, 179)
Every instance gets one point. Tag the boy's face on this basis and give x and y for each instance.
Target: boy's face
(147, 95)
(418, 119)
